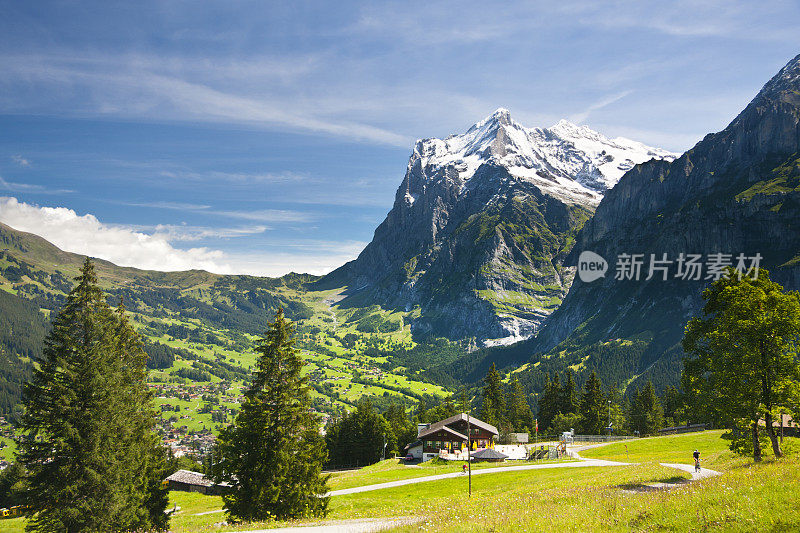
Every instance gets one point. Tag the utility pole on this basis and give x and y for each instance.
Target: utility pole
(609, 419)
(781, 428)
(469, 453)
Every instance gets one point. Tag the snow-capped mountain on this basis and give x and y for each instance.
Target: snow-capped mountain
(481, 223)
(570, 162)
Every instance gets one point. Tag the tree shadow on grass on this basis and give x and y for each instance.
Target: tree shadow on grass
(654, 486)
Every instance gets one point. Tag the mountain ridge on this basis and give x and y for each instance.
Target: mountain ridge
(736, 191)
(480, 225)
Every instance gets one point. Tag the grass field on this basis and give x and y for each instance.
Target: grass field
(712, 446)
(394, 470)
(746, 497)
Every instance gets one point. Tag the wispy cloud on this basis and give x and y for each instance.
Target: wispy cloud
(195, 233)
(239, 177)
(30, 188)
(21, 161)
(267, 215)
(177, 206)
(257, 215)
(151, 87)
(600, 104)
(691, 18)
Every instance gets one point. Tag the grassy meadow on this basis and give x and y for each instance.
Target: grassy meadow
(746, 497)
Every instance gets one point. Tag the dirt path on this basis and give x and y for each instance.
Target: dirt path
(366, 525)
(704, 472)
(484, 471)
(360, 525)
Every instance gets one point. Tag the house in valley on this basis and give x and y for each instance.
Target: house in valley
(450, 436)
(186, 480)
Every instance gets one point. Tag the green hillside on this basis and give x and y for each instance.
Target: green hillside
(199, 330)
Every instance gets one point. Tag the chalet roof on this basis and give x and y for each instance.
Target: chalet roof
(488, 453)
(458, 418)
(431, 430)
(413, 444)
(191, 478)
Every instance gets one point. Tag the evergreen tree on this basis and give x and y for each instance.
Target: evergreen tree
(358, 438)
(272, 454)
(493, 406)
(569, 396)
(743, 362)
(647, 415)
(618, 412)
(464, 404)
(594, 409)
(549, 402)
(443, 410)
(403, 429)
(94, 462)
(674, 409)
(12, 479)
(518, 412)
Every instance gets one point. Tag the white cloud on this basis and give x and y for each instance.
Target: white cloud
(178, 206)
(600, 104)
(195, 233)
(242, 177)
(260, 215)
(132, 246)
(140, 86)
(21, 161)
(267, 215)
(29, 187)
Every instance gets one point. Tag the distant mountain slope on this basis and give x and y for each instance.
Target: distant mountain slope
(199, 330)
(36, 269)
(22, 330)
(736, 191)
(481, 224)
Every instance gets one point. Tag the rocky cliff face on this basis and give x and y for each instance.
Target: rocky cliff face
(737, 191)
(481, 223)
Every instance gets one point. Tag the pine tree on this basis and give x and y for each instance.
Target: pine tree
(464, 404)
(358, 439)
(518, 412)
(674, 406)
(272, 455)
(569, 396)
(493, 406)
(94, 462)
(647, 415)
(549, 402)
(594, 409)
(403, 429)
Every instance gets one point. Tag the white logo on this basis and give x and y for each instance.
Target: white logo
(591, 266)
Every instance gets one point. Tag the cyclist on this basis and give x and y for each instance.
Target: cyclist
(696, 456)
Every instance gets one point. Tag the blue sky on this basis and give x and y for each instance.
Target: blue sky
(264, 137)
